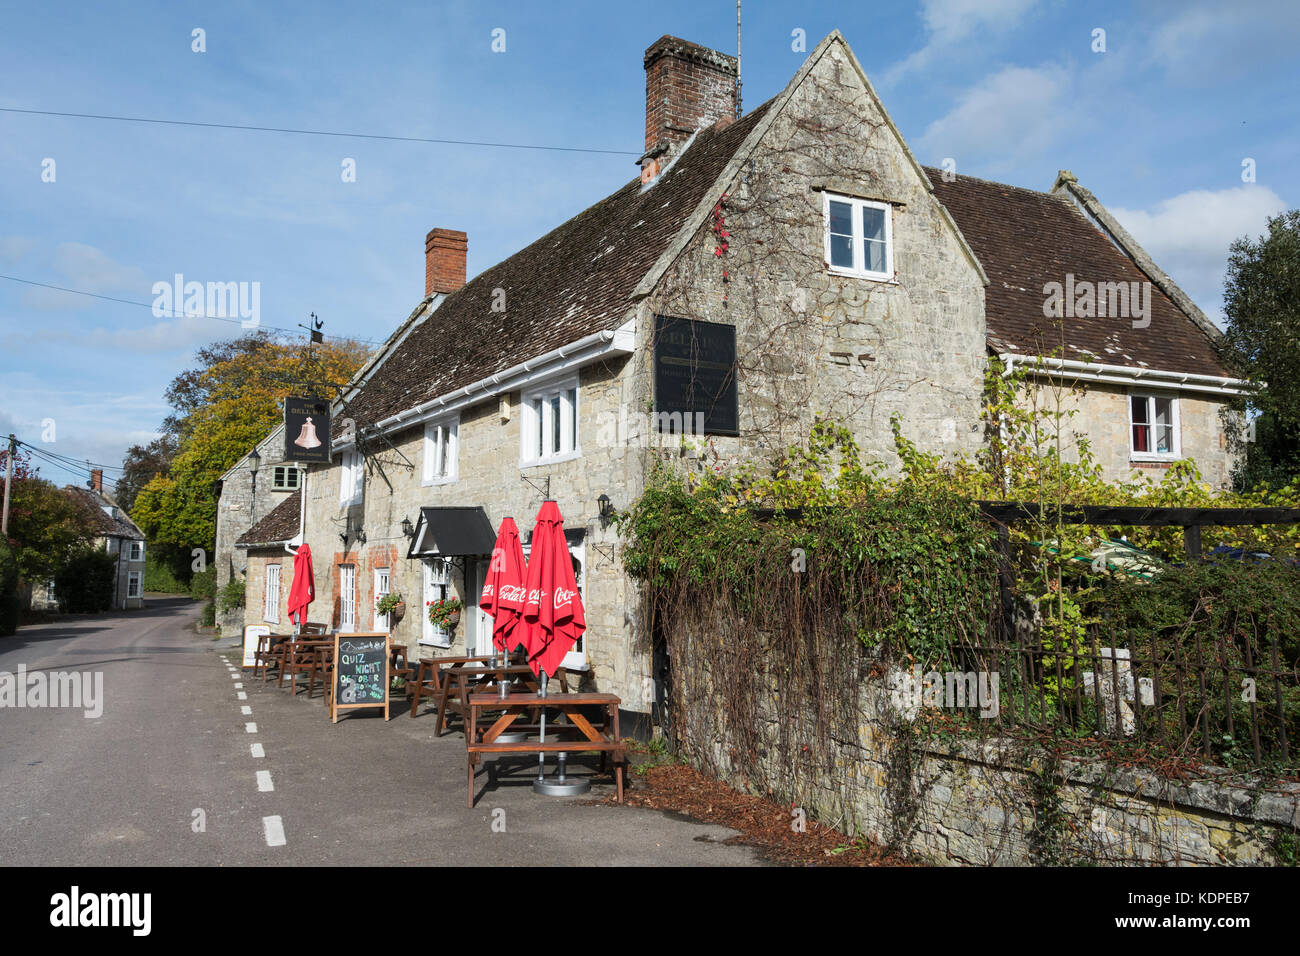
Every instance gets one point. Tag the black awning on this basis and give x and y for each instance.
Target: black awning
(452, 532)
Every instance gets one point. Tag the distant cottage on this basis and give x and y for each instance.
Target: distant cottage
(798, 260)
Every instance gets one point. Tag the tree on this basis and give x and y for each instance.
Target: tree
(1262, 343)
(141, 465)
(221, 409)
(45, 523)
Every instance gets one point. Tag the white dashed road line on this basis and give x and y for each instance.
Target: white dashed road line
(257, 751)
(241, 696)
(250, 727)
(264, 784)
(246, 710)
(274, 829)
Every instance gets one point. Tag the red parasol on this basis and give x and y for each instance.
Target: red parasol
(553, 616)
(503, 588)
(303, 590)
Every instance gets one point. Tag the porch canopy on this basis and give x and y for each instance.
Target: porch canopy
(452, 532)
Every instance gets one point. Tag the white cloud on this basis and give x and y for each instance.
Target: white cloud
(168, 336)
(15, 247)
(1007, 116)
(88, 269)
(948, 22)
(1188, 235)
(1203, 43)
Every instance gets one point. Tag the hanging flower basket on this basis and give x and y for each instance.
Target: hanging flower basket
(392, 604)
(444, 613)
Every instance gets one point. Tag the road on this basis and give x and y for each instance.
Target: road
(170, 774)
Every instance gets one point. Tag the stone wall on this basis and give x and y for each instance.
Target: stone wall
(237, 511)
(994, 801)
(812, 341)
(1101, 414)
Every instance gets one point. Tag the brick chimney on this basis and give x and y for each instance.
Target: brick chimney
(687, 86)
(97, 479)
(444, 260)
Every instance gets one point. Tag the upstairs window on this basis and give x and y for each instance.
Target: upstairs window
(440, 440)
(137, 551)
(351, 477)
(550, 423)
(284, 478)
(1153, 430)
(859, 237)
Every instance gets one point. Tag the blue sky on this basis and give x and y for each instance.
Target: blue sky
(1157, 126)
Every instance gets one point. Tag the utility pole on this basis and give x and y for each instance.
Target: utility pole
(9, 478)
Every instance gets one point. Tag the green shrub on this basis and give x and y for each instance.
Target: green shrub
(84, 583)
(160, 577)
(208, 617)
(232, 595)
(203, 586)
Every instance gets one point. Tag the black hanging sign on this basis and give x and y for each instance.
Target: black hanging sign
(307, 430)
(695, 376)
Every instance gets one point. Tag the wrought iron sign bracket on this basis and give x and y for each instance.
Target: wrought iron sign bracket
(541, 485)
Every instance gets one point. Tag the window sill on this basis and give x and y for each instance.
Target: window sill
(883, 279)
(433, 482)
(553, 460)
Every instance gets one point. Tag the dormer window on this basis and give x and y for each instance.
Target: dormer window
(859, 237)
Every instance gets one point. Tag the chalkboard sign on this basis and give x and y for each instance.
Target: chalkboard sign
(251, 635)
(361, 675)
(695, 375)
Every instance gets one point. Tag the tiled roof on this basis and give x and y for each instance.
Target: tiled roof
(1026, 239)
(574, 281)
(279, 525)
(116, 525)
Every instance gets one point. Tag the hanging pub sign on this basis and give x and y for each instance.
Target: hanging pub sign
(307, 430)
(695, 377)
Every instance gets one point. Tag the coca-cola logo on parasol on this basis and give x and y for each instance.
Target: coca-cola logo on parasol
(563, 596)
(513, 592)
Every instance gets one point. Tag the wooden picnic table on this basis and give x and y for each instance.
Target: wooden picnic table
(457, 683)
(428, 679)
(300, 656)
(593, 739)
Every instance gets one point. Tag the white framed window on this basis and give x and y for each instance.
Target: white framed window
(137, 551)
(1153, 427)
(133, 584)
(352, 474)
(440, 441)
(549, 425)
(383, 622)
(347, 598)
(284, 478)
(859, 236)
(437, 586)
(271, 599)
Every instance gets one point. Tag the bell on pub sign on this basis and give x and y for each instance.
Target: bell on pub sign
(307, 430)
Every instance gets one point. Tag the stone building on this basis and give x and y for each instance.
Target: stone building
(244, 497)
(798, 260)
(114, 532)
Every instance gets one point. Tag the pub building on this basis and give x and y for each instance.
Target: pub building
(794, 261)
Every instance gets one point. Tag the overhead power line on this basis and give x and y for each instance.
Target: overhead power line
(321, 132)
(172, 313)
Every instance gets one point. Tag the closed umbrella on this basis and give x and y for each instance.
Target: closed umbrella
(553, 621)
(303, 590)
(503, 591)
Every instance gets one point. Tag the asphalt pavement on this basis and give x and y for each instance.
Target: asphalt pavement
(194, 762)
